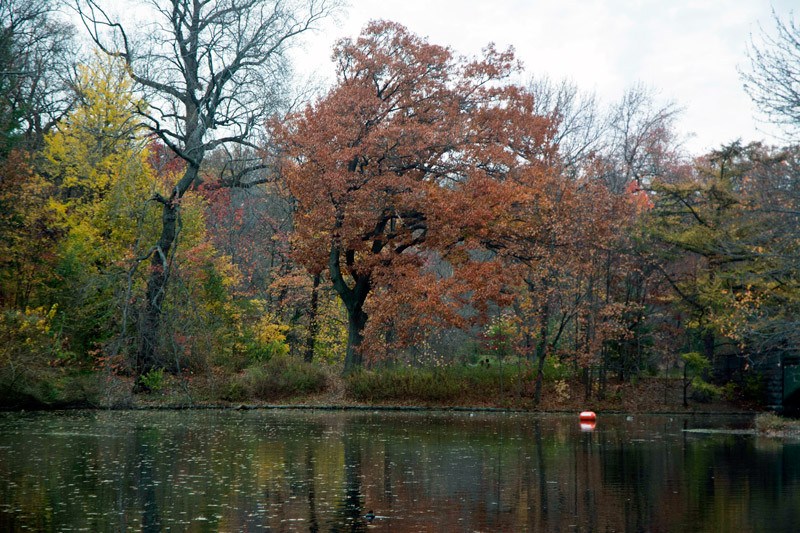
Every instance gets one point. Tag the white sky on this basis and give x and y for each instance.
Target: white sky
(688, 50)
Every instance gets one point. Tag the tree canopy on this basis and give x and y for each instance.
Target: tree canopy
(417, 178)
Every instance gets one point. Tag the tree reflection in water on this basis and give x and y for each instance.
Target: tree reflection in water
(145, 482)
(321, 471)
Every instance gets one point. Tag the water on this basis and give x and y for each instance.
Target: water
(323, 471)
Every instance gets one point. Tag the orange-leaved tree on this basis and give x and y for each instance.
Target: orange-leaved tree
(411, 177)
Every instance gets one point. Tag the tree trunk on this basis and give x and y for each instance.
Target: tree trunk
(685, 385)
(709, 346)
(353, 299)
(601, 394)
(156, 291)
(313, 324)
(146, 357)
(357, 319)
(587, 382)
(541, 350)
(501, 381)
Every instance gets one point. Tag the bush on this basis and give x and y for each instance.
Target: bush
(746, 387)
(54, 388)
(281, 377)
(32, 364)
(438, 384)
(153, 380)
(772, 424)
(555, 369)
(704, 392)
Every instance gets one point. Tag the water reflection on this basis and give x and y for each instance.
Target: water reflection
(322, 471)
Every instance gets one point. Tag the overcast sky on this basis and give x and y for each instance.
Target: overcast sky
(688, 50)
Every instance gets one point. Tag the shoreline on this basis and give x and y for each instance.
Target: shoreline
(388, 408)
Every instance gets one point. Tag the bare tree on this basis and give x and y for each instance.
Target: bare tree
(634, 136)
(36, 49)
(642, 142)
(581, 123)
(773, 81)
(211, 70)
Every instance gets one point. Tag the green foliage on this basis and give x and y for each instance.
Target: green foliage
(234, 391)
(153, 380)
(695, 362)
(556, 370)
(704, 392)
(747, 387)
(752, 388)
(724, 240)
(696, 365)
(34, 369)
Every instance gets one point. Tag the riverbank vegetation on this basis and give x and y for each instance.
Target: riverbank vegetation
(772, 425)
(426, 231)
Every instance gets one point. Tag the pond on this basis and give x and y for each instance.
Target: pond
(302, 470)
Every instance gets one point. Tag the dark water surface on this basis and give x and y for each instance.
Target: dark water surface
(292, 470)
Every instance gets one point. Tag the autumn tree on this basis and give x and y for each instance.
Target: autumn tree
(28, 232)
(415, 158)
(730, 233)
(584, 286)
(210, 70)
(97, 161)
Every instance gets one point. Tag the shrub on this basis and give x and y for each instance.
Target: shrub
(153, 380)
(704, 392)
(32, 358)
(282, 377)
(555, 369)
(772, 424)
(438, 384)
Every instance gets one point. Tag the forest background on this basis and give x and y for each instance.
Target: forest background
(181, 222)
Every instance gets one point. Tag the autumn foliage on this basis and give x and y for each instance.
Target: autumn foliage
(428, 210)
(411, 175)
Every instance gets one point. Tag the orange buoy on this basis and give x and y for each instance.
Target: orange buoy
(588, 416)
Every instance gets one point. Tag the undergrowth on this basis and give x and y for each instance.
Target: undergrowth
(438, 384)
(280, 377)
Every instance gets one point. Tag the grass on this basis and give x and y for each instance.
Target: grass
(452, 384)
(280, 377)
(774, 425)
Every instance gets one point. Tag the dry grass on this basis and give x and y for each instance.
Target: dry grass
(773, 425)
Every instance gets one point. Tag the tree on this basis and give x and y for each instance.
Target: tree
(36, 51)
(210, 70)
(97, 160)
(582, 127)
(726, 241)
(773, 81)
(414, 159)
(642, 142)
(28, 232)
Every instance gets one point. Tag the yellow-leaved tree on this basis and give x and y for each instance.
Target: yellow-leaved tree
(108, 170)
(98, 160)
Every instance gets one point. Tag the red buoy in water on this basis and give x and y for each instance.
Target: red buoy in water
(588, 419)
